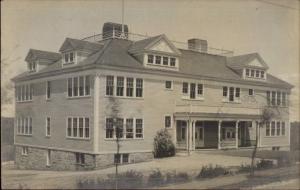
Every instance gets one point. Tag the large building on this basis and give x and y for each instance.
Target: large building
(68, 104)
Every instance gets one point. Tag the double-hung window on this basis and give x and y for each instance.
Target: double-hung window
(168, 84)
(273, 128)
(79, 86)
(278, 128)
(172, 62)
(273, 98)
(200, 90)
(268, 98)
(139, 87)
(231, 94)
(167, 121)
(129, 128)
(284, 99)
(48, 90)
(225, 91)
(69, 58)
(119, 127)
(139, 128)
(237, 92)
(247, 72)
(24, 125)
(24, 92)
(158, 60)
(283, 128)
(192, 91)
(120, 86)
(78, 127)
(165, 60)
(109, 128)
(185, 88)
(250, 92)
(110, 85)
(278, 98)
(48, 127)
(129, 87)
(268, 129)
(150, 58)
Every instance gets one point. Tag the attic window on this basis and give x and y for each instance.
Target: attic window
(69, 58)
(255, 73)
(32, 66)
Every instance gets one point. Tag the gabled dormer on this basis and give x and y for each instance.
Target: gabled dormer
(156, 52)
(249, 66)
(37, 59)
(74, 51)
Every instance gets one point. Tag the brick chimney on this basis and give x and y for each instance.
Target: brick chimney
(196, 44)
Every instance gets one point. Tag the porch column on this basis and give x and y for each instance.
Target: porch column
(190, 128)
(236, 134)
(187, 135)
(219, 134)
(175, 131)
(193, 135)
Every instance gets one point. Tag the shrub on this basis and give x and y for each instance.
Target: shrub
(264, 164)
(155, 178)
(173, 177)
(130, 179)
(210, 171)
(244, 168)
(163, 145)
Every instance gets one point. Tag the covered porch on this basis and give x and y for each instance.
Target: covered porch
(227, 131)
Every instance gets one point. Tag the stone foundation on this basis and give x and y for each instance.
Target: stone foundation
(36, 158)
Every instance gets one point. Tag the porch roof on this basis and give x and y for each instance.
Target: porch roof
(214, 116)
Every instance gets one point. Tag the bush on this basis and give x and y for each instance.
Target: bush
(264, 164)
(130, 179)
(163, 145)
(155, 178)
(173, 177)
(210, 171)
(244, 168)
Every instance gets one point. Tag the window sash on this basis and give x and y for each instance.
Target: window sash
(200, 89)
(225, 91)
(167, 121)
(87, 85)
(283, 128)
(138, 128)
(69, 127)
(278, 128)
(168, 84)
(192, 90)
(48, 126)
(172, 62)
(129, 128)
(158, 60)
(231, 94)
(129, 87)
(185, 88)
(87, 127)
(237, 92)
(81, 86)
(268, 129)
(110, 85)
(120, 86)
(139, 87)
(165, 60)
(273, 101)
(150, 58)
(273, 128)
(48, 89)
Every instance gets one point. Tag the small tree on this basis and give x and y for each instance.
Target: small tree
(163, 144)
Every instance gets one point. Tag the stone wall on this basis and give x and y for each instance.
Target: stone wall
(64, 160)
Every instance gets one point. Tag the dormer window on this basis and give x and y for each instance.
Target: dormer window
(150, 58)
(69, 58)
(172, 62)
(157, 60)
(254, 73)
(32, 66)
(162, 61)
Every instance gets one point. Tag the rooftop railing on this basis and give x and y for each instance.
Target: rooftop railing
(98, 38)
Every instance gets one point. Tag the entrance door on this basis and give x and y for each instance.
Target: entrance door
(199, 137)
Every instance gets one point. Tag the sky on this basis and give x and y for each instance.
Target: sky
(269, 27)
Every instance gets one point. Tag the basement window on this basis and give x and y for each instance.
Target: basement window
(121, 158)
(80, 158)
(24, 150)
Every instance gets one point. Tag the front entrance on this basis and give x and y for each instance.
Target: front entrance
(199, 137)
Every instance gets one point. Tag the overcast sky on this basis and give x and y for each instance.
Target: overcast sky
(268, 27)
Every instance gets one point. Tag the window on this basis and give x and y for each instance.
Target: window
(237, 92)
(284, 99)
(117, 158)
(87, 85)
(168, 85)
(87, 127)
(119, 128)
(129, 87)
(185, 88)
(139, 87)
(24, 92)
(24, 150)
(268, 129)
(48, 159)
(138, 128)
(278, 128)
(129, 128)
(252, 73)
(79, 86)
(247, 72)
(48, 89)
(192, 91)
(283, 128)
(69, 58)
(273, 98)
(262, 74)
(48, 132)
(173, 62)
(69, 127)
(257, 73)
(120, 86)
(109, 128)
(110, 85)
(278, 98)
(225, 91)
(268, 98)
(273, 128)
(24, 125)
(165, 60)
(223, 131)
(167, 121)
(231, 94)
(78, 127)
(150, 58)
(80, 158)
(158, 60)
(32, 66)
(250, 92)
(200, 89)
(125, 158)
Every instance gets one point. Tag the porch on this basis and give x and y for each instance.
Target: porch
(195, 133)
